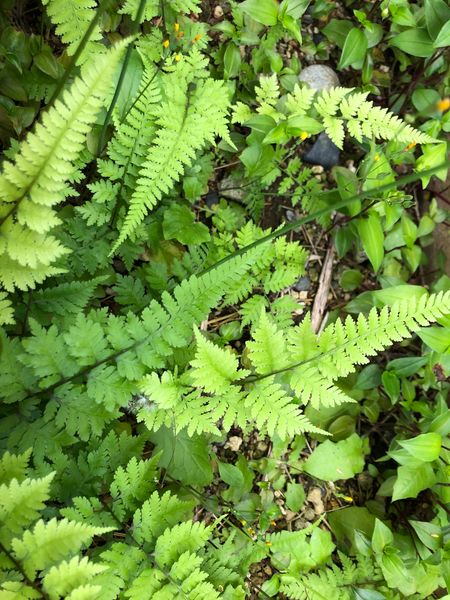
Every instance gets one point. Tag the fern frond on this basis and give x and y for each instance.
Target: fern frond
(50, 542)
(72, 18)
(21, 503)
(6, 310)
(134, 483)
(272, 410)
(268, 348)
(37, 180)
(267, 94)
(185, 537)
(213, 368)
(157, 514)
(187, 120)
(300, 100)
(71, 576)
(336, 352)
(14, 466)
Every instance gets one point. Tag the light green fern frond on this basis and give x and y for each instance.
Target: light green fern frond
(72, 18)
(267, 94)
(127, 150)
(14, 466)
(37, 180)
(317, 361)
(187, 119)
(21, 503)
(214, 368)
(69, 577)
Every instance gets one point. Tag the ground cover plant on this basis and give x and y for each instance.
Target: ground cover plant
(224, 299)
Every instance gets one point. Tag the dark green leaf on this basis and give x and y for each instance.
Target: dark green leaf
(415, 42)
(354, 49)
(263, 11)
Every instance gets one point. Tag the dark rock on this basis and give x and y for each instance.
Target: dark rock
(323, 152)
(302, 285)
(211, 198)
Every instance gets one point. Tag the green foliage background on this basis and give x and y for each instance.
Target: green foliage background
(175, 423)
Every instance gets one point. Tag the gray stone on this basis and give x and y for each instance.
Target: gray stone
(302, 285)
(319, 77)
(323, 152)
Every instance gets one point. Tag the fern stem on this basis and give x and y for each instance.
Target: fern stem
(278, 232)
(81, 46)
(123, 71)
(17, 564)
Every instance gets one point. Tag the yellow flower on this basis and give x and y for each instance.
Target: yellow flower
(348, 498)
(410, 146)
(443, 105)
(196, 38)
(176, 27)
(376, 158)
(304, 135)
(166, 43)
(268, 543)
(177, 57)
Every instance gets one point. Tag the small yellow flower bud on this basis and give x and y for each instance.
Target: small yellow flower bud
(166, 43)
(176, 27)
(244, 522)
(348, 498)
(443, 105)
(304, 135)
(376, 158)
(268, 543)
(196, 38)
(177, 57)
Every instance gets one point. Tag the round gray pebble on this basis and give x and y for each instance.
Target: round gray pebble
(319, 77)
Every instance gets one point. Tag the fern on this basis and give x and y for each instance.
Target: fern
(32, 185)
(309, 364)
(336, 583)
(126, 151)
(191, 114)
(72, 18)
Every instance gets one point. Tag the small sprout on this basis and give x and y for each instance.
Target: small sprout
(443, 105)
(177, 57)
(197, 38)
(304, 135)
(166, 43)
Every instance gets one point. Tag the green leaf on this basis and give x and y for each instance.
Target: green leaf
(443, 38)
(295, 8)
(299, 124)
(263, 11)
(337, 31)
(231, 475)
(295, 496)
(437, 14)
(354, 49)
(185, 458)
(179, 224)
(382, 536)
(350, 280)
(372, 237)
(412, 480)
(436, 338)
(231, 61)
(333, 461)
(425, 447)
(415, 42)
